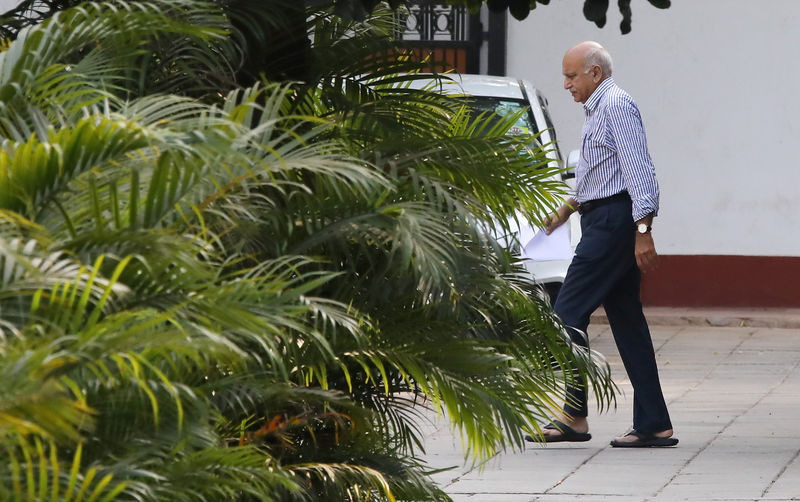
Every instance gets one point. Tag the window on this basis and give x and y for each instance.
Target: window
(503, 107)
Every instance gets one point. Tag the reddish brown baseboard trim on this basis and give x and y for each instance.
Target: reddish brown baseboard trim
(723, 281)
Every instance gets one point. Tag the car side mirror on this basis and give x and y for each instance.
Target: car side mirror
(572, 164)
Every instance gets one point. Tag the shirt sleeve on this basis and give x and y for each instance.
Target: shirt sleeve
(636, 166)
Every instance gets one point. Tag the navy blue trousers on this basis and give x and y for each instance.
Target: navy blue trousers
(604, 272)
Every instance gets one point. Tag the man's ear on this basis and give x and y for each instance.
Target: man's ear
(597, 73)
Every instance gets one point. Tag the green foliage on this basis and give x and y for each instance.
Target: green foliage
(33, 468)
(247, 13)
(255, 293)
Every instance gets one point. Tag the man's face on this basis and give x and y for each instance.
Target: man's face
(579, 83)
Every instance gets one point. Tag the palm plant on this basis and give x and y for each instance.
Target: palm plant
(240, 295)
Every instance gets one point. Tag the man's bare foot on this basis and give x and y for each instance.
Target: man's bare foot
(636, 439)
(631, 438)
(572, 430)
(577, 424)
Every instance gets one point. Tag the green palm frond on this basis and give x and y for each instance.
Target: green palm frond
(34, 469)
(466, 378)
(31, 173)
(542, 345)
(212, 473)
(377, 474)
(31, 405)
(346, 482)
(53, 286)
(287, 142)
(460, 156)
(211, 292)
(68, 33)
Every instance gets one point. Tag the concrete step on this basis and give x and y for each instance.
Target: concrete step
(718, 317)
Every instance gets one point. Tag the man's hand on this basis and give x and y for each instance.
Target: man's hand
(646, 255)
(560, 217)
(553, 221)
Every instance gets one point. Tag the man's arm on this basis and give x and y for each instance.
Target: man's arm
(636, 166)
(639, 174)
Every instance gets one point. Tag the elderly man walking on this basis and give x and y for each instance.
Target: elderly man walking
(617, 196)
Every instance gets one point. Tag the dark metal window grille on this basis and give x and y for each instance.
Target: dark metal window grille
(428, 22)
(446, 35)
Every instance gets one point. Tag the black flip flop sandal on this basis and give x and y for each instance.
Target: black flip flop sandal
(644, 440)
(568, 434)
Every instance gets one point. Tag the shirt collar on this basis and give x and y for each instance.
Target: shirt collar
(597, 95)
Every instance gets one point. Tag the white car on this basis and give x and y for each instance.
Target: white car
(506, 95)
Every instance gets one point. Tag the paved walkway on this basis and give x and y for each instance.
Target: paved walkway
(734, 397)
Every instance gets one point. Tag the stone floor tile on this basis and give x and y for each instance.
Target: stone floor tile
(733, 394)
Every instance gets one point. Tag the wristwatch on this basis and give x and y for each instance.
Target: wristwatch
(643, 228)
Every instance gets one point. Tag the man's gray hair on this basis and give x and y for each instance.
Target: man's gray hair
(598, 56)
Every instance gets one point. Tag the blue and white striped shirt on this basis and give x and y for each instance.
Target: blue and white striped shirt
(614, 154)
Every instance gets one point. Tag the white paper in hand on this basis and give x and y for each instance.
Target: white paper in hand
(543, 247)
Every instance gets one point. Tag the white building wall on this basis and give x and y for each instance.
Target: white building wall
(717, 83)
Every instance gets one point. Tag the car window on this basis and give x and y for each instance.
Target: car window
(503, 107)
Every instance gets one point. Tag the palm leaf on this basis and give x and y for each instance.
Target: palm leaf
(66, 33)
(34, 469)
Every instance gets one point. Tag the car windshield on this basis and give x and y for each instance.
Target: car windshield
(503, 107)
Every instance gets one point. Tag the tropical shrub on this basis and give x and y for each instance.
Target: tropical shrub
(216, 292)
